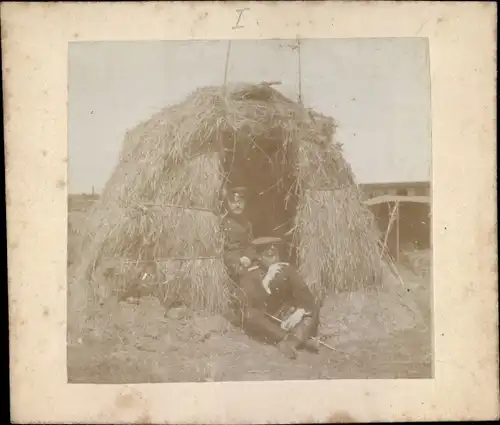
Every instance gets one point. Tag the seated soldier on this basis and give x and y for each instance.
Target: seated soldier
(238, 250)
(274, 290)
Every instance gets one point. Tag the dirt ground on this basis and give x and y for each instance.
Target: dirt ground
(378, 335)
(384, 334)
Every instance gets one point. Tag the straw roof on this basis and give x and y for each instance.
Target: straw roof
(161, 206)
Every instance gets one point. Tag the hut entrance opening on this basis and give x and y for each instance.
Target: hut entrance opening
(265, 167)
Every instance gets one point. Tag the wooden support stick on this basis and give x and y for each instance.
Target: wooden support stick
(389, 226)
(227, 63)
(397, 231)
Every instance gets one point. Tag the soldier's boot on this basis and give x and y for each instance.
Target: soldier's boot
(302, 332)
(312, 346)
(287, 347)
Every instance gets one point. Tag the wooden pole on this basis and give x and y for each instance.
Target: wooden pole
(227, 62)
(300, 72)
(397, 231)
(389, 226)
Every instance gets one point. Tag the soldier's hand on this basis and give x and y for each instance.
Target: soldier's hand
(245, 261)
(293, 320)
(275, 269)
(272, 272)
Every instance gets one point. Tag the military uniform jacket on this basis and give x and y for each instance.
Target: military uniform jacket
(237, 240)
(287, 290)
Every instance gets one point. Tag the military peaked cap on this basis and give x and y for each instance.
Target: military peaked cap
(266, 242)
(238, 190)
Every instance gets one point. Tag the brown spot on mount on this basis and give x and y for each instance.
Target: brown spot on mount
(340, 418)
(125, 401)
(144, 418)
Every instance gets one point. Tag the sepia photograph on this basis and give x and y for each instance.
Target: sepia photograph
(249, 210)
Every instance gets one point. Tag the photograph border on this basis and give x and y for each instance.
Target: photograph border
(462, 40)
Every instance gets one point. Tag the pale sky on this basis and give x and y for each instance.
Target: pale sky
(377, 89)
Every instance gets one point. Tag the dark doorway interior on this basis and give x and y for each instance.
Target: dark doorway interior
(264, 167)
(414, 225)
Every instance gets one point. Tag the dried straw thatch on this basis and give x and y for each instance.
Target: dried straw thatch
(160, 210)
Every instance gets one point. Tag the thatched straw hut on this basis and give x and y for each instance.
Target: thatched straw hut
(160, 211)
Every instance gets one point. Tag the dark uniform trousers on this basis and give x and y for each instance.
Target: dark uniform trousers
(288, 290)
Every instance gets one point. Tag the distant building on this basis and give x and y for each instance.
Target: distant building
(407, 227)
(372, 190)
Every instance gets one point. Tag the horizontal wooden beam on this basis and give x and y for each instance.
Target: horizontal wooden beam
(395, 185)
(396, 198)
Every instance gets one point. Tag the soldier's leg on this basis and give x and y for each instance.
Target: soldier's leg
(307, 328)
(256, 323)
